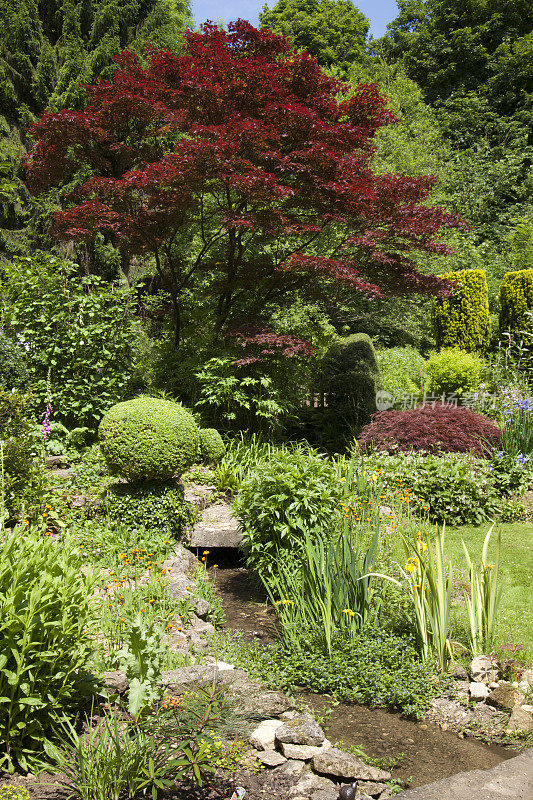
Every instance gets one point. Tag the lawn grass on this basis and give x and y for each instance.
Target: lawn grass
(515, 623)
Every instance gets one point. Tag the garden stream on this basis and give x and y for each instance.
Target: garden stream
(422, 751)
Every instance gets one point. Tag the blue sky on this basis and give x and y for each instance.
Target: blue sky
(380, 12)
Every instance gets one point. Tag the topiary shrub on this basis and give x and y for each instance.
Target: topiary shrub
(13, 368)
(157, 506)
(431, 429)
(454, 371)
(147, 439)
(212, 448)
(463, 319)
(516, 299)
(349, 378)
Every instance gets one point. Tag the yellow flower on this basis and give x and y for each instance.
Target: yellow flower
(410, 567)
(205, 552)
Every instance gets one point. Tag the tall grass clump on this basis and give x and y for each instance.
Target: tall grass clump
(429, 580)
(484, 598)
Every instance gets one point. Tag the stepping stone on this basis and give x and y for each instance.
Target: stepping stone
(217, 527)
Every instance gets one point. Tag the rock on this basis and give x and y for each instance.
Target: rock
(263, 738)
(527, 675)
(264, 703)
(478, 691)
(521, 720)
(325, 794)
(199, 495)
(484, 669)
(385, 511)
(197, 642)
(506, 696)
(371, 788)
(184, 679)
(116, 681)
(303, 752)
(78, 501)
(292, 769)
(202, 608)
(200, 625)
(523, 686)
(217, 527)
(510, 780)
(309, 782)
(222, 666)
(270, 758)
(343, 765)
(301, 730)
(54, 462)
(457, 671)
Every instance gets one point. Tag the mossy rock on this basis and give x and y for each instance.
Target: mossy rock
(147, 439)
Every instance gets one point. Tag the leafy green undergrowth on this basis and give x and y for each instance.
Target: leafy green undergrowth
(373, 667)
(515, 620)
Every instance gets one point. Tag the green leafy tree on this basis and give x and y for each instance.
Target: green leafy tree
(473, 60)
(333, 31)
(49, 50)
(451, 46)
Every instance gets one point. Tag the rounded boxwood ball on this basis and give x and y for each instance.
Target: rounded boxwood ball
(148, 439)
(212, 447)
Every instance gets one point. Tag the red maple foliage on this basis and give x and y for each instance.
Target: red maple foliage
(244, 172)
(431, 429)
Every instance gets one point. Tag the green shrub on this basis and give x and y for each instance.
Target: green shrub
(454, 371)
(78, 333)
(516, 300)
(212, 448)
(13, 367)
(454, 488)
(147, 439)
(238, 395)
(402, 370)
(349, 377)
(22, 470)
(283, 498)
(154, 506)
(45, 649)
(463, 319)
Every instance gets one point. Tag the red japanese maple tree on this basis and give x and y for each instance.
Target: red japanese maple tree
(244, 172)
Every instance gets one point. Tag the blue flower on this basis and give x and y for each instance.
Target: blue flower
(522, 460)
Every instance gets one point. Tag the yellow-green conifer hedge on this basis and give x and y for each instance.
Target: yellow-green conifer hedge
(463, 320)
(516, 298)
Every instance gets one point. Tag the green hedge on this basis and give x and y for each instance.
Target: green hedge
(516, 299)
(463, 320)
